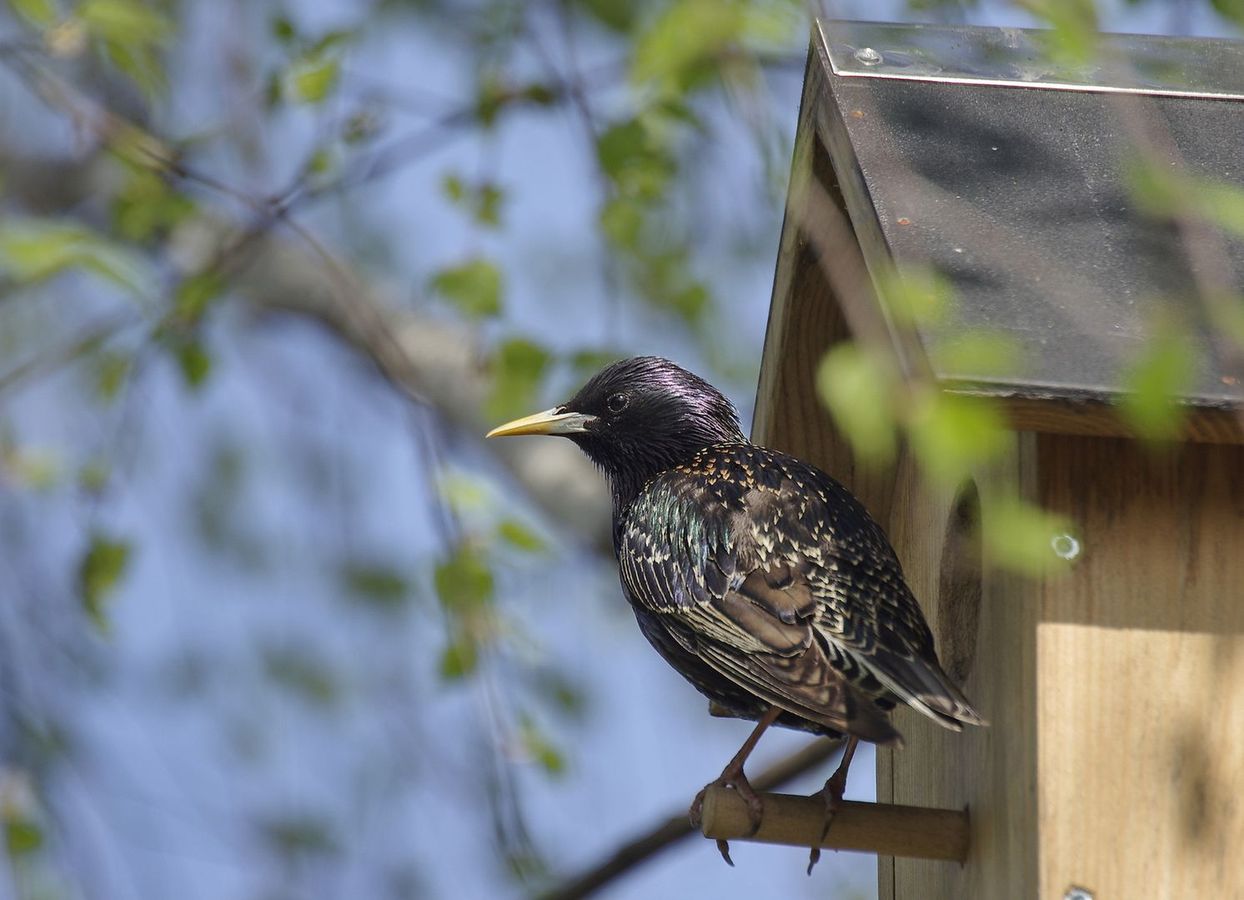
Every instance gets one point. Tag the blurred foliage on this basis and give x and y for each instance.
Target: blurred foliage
(99, 573)
(518, 371)
(859, 388)
(377, 585)
(171, 211)
(33, 250)
(473, 286)
(1155, 381)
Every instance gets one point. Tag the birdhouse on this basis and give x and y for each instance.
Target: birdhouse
(1114, 762)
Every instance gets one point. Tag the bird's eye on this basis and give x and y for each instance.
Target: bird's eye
(617, 403)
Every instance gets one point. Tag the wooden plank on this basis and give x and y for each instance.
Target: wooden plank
(985, 631)
(1140, 655)
(1053, 415)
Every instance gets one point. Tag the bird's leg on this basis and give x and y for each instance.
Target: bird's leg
(832, 793)
(732, 777)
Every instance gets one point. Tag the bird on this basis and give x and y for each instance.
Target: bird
(759, 578)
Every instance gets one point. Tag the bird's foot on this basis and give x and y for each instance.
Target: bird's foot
(832, 795)
(735, 780)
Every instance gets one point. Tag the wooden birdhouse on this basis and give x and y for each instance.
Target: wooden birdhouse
(1114, 763)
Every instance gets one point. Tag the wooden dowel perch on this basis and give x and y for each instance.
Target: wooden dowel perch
(880, 828)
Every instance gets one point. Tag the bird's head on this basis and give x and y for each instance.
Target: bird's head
(637, 418)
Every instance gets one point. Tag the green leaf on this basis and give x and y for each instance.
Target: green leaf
(1073, 23)
(195, 294)
(483, 200)
(538, 746)
(100, 572)
(459, 659)
(618, 15)
(664, 279)
(918, 296)
(127, 22)
(1232, 10)
(519, 536)
(682, 46)
(194, 362)
(1222, 204)
(1228, 316)
(1155, 380)
(491, 96)
(632, 157)
(454, 188)
(473, 286)
(464, 581)
(376, 584)
(146, 207)
(463, 494)
(140, 62)
(33, 250)
(131, 34)
(859, 389)
(622, 221)
(1164, 193)
(1024, 538)
(690, 301)
(282, 29)
(518, 369)
(41, 13)
(313, 77)
(620, 145)
(1157, 191)
(21, 836)
(539, 94)
(488, 204)
(951, 434)
(111, 370)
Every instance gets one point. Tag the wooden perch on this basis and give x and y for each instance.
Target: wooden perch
(881, 828)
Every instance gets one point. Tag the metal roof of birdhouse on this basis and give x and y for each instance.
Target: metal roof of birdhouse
(975, 154)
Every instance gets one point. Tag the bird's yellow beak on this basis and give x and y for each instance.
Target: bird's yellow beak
(551, 421)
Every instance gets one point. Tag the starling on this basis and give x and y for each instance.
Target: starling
(759, 578)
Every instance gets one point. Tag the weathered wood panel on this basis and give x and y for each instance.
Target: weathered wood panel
(1140, 655)
(985, 636)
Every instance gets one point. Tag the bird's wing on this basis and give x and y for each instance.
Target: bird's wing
(787, 589)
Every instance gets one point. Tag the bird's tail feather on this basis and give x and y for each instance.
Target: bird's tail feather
(926, 688)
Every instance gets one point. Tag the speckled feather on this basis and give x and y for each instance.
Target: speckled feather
(758, 577)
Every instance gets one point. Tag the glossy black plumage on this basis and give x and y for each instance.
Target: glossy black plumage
(758, 577)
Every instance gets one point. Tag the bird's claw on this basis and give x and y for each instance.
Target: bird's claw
(832, 795)
(735, 781)
(814, 856)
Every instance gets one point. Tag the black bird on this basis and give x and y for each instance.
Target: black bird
(759, 578)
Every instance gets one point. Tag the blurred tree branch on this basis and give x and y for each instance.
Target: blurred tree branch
(431, 359)
(669, 831)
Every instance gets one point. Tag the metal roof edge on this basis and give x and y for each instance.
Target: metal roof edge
(1204, 68)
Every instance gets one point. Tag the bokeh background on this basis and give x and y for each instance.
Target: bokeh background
(274, 621)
